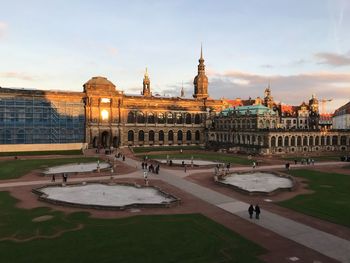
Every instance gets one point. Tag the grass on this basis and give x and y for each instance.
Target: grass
(68, 152)
(165, 148)
(205, 156)
(159, 238)
(16, 168)
(330, 200)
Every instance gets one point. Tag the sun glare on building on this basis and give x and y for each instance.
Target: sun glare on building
(104, 115)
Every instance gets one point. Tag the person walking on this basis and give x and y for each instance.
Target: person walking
(254, 165)
(257, 211)
(53, 178)
(251, 211)
(185, 168)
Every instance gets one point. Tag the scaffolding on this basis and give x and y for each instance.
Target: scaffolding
(35, 120)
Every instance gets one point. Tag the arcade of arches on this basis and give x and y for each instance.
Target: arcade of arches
(274, 142)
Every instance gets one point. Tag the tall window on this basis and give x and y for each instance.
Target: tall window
(161, 118)
(170, 135)
(188, 118)
(161, 136)
(131, 117)
(197, 136)
(169, 118)
(140, 117)
(197, 119)
(141, 136)
(130, 136)
(150, 118)
(188, 136)
(179, 136)
(151, 136)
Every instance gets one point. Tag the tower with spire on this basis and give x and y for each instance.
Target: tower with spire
(146, 91)
(182, 92)
(201, 80)
(268, 99)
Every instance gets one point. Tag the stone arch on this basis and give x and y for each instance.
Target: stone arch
(169, 118)
(188, 118)
(286, 141)
(150, 118)
(140, 117)
(335, 140)
(311, 141)
(343, 140)
(317, 140)
(179, 118)
(131, 117)
(141, 136)
(299, 142)
(188, 136)
(305, 141)
(328, 140)
(151, 136)
(179, 135)
(197, 119)
(161, 118)
(170, 135)
(293, 142)
(161, 136)
(273, 141)
(95, 142)
(322, 140)
(280, 141)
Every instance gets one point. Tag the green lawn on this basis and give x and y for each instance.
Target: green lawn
(17, 168)
(204, 156)
(68, 152)
(165, 148)
(331, 199)
(161, 238)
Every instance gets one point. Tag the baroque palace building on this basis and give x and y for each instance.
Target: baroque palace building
(262, 126)
(102, 115)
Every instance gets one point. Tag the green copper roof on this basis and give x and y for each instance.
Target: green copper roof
(248, 110)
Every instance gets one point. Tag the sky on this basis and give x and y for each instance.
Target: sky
(300, 47)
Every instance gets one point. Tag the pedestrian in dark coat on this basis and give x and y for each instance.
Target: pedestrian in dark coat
(257, 211)
(251, 211)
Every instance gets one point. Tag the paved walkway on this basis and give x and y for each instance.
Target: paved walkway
(324, 243)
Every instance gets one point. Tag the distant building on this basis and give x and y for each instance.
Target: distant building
(341, 118)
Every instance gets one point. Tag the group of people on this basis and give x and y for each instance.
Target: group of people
(151, 168)
(253, 209)
(119, 155)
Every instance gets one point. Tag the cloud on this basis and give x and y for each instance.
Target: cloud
(3, 29)
(17, 75)
(290, 89)
(333, 59)
(112, 51)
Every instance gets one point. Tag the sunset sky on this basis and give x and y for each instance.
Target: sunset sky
(301, 47)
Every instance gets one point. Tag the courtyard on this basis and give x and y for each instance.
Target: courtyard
(214, 214)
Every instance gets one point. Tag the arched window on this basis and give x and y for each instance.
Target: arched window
(197, 119)
(280, 140)
(179, 119)
(197, 136)
(169, 118)
(140, 117)
(151, 118)
(335, 140)
(342, 140)
(161, 118)
(273, 141)
(286, 141)
(130, 135)
(299, 141)
(268, 124)
(311, 140)
(179, 136)
(170, 135)
(141, 136)
(151, 136)
(317, 140)
(293, 141)
(131, 117)
(188, 136)
(188, 118)
(305, 141)
(161, 136)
